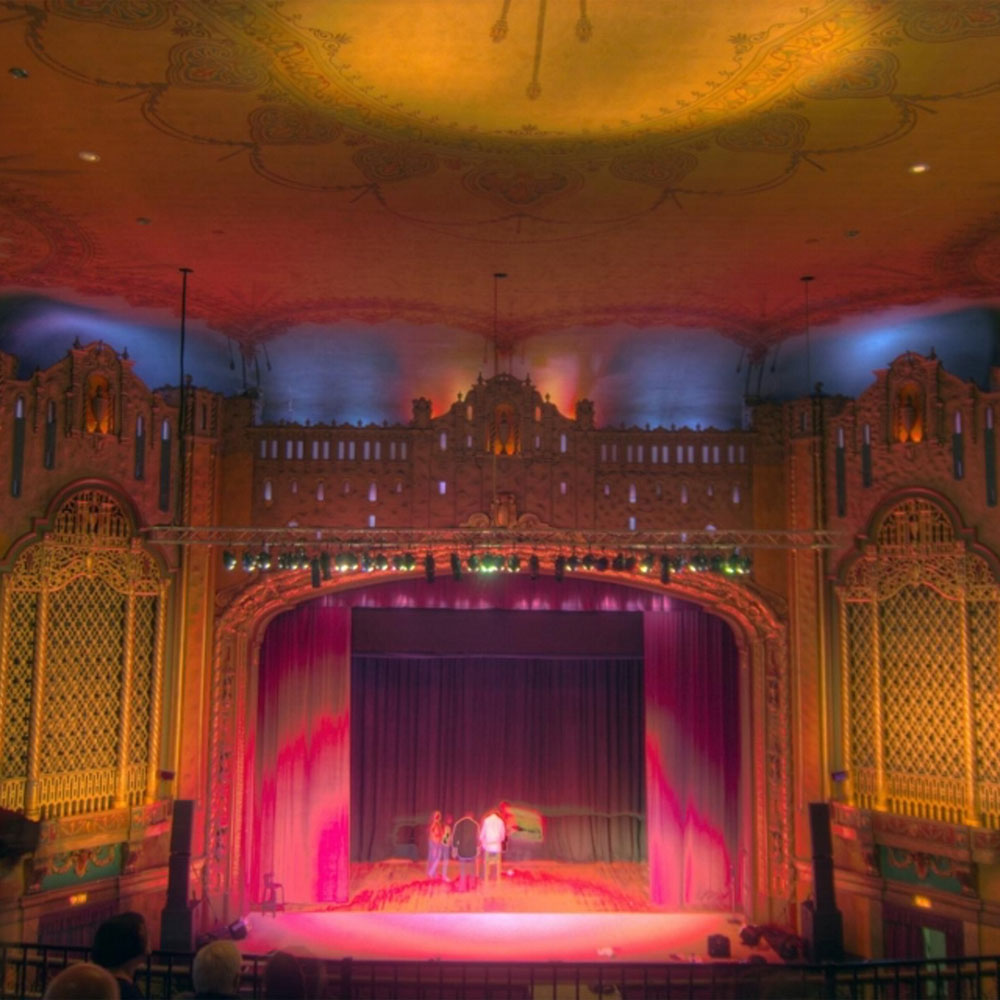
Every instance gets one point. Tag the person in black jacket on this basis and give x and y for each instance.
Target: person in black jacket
(465, 847)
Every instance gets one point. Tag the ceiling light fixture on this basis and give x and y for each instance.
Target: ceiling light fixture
(89, 156)
(918, 168)
(18, 72)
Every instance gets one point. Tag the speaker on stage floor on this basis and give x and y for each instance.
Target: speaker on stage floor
(718, 946)
(177, 925)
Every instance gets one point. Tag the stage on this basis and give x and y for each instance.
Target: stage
(538, 912)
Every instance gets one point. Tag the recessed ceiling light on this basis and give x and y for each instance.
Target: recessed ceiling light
(851, 233)
(143, 221)
(88, 156)
(918, 168)
(18, 72)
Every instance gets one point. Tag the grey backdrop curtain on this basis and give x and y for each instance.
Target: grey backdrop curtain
(461, 733)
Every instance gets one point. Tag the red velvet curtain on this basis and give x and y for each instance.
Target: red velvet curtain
(300, 831)
(692, 758)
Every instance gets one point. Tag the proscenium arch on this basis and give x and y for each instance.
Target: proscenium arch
(761, 639)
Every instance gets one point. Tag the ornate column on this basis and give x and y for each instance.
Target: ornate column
(156, 693)
(125, 702)
(36, 721)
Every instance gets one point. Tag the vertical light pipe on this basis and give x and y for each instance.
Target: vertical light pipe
(125, 703)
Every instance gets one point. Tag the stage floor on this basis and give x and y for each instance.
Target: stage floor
(540, 911)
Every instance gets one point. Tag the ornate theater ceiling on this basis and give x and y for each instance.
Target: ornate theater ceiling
(346, 177)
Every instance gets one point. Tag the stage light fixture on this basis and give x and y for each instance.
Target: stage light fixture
(228, 560)
(249, 563)
(534, 567)
(381, 562)
(560, 568)
(572, 564)
(456, 566)
(238, 929)
(325, 565)
(647, 563)
(315, 573)
(664, 569)
(588, 561)
(601, 565)
(473, 562)
(429, 567)
(264, 559)
(514, 563)
(630, 564)
(618, 563)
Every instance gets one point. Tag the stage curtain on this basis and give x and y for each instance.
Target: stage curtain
(563, 736)
(692, 758)
(303, 754)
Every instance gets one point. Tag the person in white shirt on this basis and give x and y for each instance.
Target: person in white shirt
(492, 834)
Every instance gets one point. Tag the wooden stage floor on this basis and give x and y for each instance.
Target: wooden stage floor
(539, 911)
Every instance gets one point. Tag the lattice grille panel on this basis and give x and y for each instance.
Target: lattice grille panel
(915, 524)
(922, 667)
(144, 651)
(83, 677)
(984, 646)
(861, 683)
(17, 689)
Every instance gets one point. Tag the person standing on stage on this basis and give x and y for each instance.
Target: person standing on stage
(435, 834)
(465, 847)
(446, 847)
(492, 834)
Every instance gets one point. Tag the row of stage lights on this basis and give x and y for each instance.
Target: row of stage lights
(323, 565)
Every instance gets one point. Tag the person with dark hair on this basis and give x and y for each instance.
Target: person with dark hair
(465, 848)
(120, 946)
(283, 978)
(82, 981)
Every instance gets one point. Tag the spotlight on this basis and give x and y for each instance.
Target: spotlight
(249, 563)
(456, 566)
(664, 569)
(618, 563)
(572, 564)
(314, 571)
(630, 564)
(228, 560)
(429, 567)
(534, 567)
(647, 563)
(324, 565)
(588, 561)
(264, 559)
(381, 562)
(238, 929)
(514, 564)
(473, 562)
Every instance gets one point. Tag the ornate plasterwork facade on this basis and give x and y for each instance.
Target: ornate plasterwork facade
(845, 645)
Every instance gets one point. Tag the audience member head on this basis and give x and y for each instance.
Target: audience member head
(121, 943)
(216, 970)
(283, 978)
(82, 981)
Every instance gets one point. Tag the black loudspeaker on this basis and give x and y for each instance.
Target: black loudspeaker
(18, 836)
(718, 946)
(822, 923)
(176, 926)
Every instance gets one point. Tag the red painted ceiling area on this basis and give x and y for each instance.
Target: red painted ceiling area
(654, 178)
